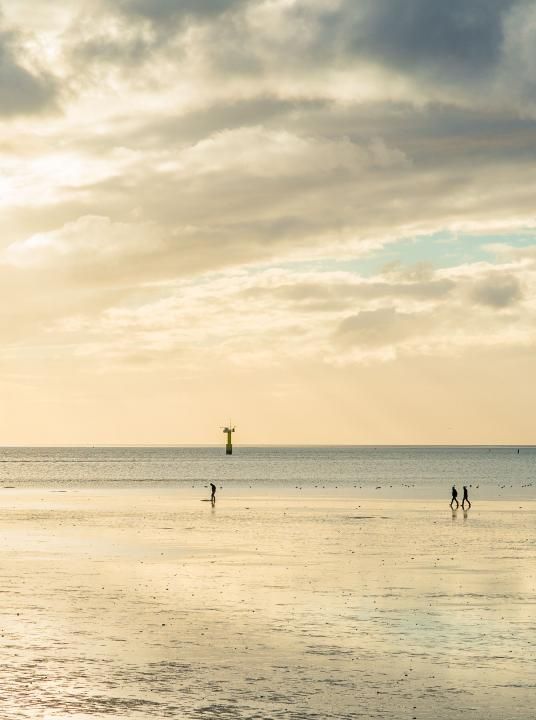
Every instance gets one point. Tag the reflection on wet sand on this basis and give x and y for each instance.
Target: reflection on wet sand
(146, 605)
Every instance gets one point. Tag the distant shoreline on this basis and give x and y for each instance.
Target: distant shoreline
(378, 446)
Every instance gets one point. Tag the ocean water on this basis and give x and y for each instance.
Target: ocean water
(402, 471)
(306, 593)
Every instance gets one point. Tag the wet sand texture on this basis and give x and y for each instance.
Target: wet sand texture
(146, 604)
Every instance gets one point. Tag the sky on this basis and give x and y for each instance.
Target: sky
(314, 218)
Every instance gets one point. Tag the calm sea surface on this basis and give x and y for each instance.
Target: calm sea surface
(424, 472)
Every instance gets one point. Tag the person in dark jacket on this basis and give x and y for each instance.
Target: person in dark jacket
(454, 497)
(465, 498)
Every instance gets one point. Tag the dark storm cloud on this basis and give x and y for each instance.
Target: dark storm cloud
(21, 91)
(454, 42)
(450, 37)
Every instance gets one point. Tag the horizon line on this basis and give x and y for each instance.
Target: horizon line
(269, 445)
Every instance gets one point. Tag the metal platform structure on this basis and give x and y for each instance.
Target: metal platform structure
(228, 430)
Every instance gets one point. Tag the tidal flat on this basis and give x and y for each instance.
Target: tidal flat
(150, 603)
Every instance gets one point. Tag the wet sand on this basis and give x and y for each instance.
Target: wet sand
(147, 603)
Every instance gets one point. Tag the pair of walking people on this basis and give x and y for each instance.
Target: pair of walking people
(455, 498)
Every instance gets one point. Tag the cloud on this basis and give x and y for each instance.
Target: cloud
(123, 33)
(162, 11)
(269, 317)
(93, 250)
(23, 90)
(412, 51)
(416, 50)
(455, 40)
(339, 292)
(205, 147)
(382, 327)
(498, 291)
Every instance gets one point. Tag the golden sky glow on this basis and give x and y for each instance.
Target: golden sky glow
(314, 216)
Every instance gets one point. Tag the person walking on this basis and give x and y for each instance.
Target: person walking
(213, 493)
(454, 497)
(465, 498)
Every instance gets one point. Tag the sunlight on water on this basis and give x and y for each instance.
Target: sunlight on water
(151, 604)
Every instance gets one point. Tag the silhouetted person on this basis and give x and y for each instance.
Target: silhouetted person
(465, 498)
(213, 493)
(454, 497)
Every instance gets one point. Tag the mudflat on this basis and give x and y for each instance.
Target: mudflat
(147, 603)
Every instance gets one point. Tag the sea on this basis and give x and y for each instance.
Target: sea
(421, 472)
(126, 594)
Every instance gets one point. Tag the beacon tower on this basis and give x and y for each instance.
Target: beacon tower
(229, 446)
